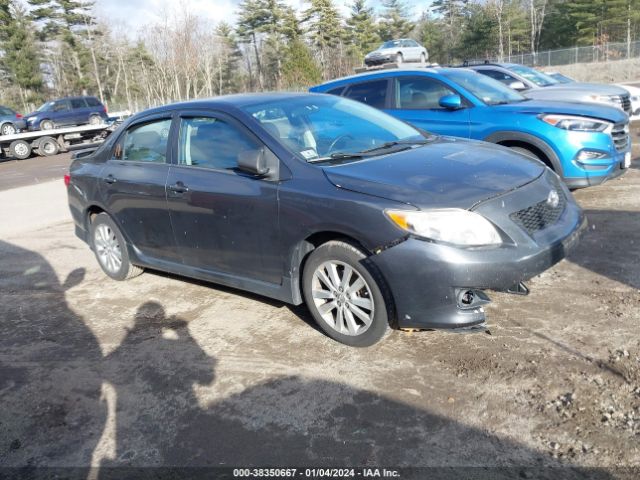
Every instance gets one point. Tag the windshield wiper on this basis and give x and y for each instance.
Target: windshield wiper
(337, 156)
(386, 145)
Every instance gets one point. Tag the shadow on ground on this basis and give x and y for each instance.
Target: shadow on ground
(611, 246)
(64, 404)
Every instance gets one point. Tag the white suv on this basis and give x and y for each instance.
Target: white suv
(399, 51)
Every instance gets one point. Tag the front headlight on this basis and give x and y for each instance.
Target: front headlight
(577, 124)
(451, 225)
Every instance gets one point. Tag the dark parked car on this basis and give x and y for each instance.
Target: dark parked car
(10, 121)
(67, 111)
(323, 200)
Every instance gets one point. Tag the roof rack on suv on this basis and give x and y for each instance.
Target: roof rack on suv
(471, 63)
(388, 66)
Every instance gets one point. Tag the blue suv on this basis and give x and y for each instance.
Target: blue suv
(67, 111)
(585, 144)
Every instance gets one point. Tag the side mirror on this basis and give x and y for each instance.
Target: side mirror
(451, 102)
(519, 86)
(253, 161)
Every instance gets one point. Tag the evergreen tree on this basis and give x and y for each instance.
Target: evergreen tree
(395, 21)
(453, 20)
(299, 70)
(229, 57)
(20, 62)
(363, 33)
(324, 29)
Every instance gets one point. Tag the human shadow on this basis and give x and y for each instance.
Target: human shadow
(611, 246)
(169, 408)
(50, 385)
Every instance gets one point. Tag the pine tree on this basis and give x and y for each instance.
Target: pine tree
(299, 70)
(363, 34)
(395, 21)
(20, 62)
(228, 59)
(324, 29)
(453, 21)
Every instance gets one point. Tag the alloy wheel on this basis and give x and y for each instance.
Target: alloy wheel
(108, 248)
(343, 298)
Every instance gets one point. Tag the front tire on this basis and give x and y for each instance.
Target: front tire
(110, 249)
(344, 294)
(47, 125)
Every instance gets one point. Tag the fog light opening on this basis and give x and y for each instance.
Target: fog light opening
(469, 299)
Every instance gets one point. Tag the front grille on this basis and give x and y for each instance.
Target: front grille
(625, 100)
(540, 215)
(620, 136)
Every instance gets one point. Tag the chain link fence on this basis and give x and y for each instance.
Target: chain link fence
(567, 56)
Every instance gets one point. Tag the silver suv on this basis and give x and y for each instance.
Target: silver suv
(537, 85)
(399, 51)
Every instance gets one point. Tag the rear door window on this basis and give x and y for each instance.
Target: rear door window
(61, 106)
(373, 93)
(144, 142)
(93, 102)
(78, 103)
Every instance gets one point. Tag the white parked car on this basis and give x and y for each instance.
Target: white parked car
(399, 51)
(635, 100)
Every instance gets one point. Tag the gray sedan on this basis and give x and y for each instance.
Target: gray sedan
(539, 86)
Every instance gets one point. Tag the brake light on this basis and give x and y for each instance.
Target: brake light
(67, 179)
(18, 115)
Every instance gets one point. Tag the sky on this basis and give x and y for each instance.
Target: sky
(131, 15)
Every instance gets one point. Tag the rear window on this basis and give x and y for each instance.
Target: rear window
(335, 91)
(93, 102)
(372, 93)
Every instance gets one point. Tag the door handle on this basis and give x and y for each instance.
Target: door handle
(179, 187)
(110, 179)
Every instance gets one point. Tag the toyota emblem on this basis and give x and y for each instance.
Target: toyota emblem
(553, 199)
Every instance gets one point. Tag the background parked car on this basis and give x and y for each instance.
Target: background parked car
(10, 121)
(583, 143)
(634, 93)
(399, 51)
(67, 111)
(537, 85)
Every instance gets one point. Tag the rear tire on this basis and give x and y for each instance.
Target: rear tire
(95, 120)
(344, 293)
(423, 58)
(8, 129)
(47, 125)
(111, 249)
(47, 146)
(399, 58)
(20, 149)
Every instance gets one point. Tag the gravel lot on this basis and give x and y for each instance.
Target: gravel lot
(164, 371)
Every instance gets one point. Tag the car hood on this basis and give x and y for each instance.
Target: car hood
(593, 88)
(448, 173)
(595, 110)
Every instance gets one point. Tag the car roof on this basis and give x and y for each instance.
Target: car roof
(389, 73)
(229, 101)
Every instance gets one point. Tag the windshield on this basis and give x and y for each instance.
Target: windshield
(390, 44)
(484, 88)
(534, 76)
(45, 107)
(319, 127)
(560, 77)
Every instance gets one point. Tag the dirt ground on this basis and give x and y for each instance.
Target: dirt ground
(164, 371)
